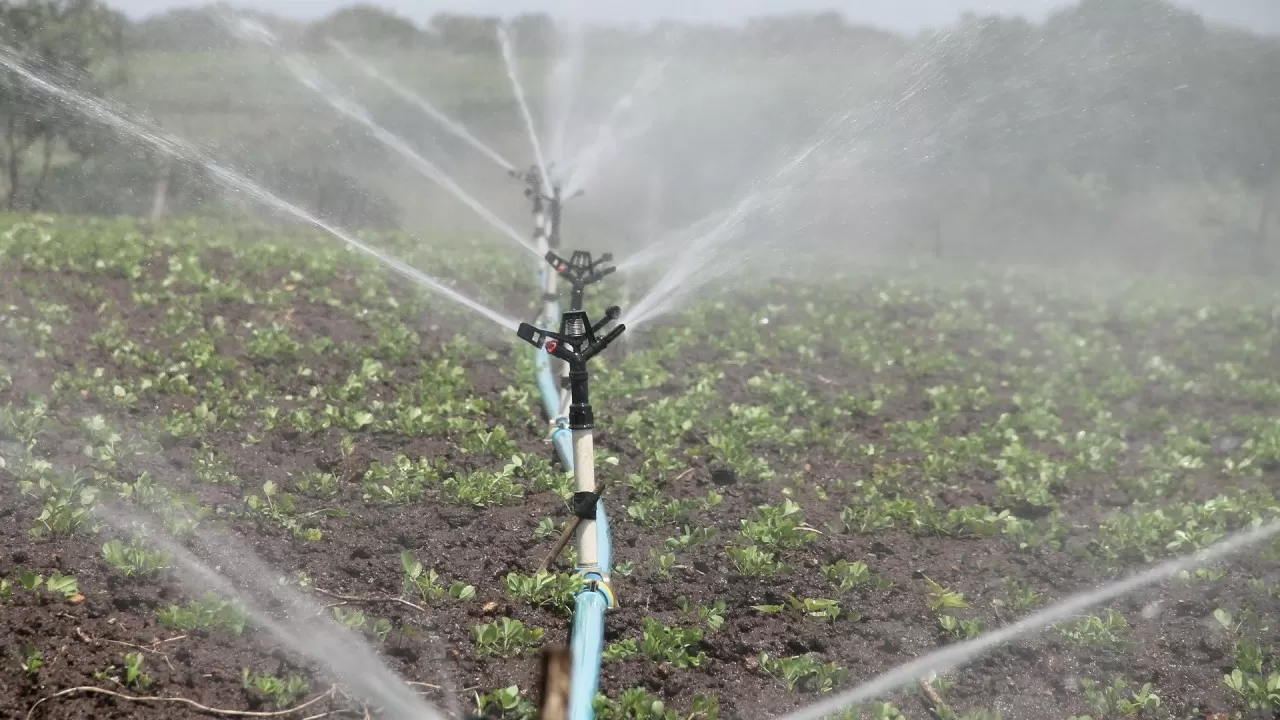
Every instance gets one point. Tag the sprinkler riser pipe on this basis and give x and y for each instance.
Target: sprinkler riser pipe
(584, 480)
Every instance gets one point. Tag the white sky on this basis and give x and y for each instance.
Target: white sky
(902, 15)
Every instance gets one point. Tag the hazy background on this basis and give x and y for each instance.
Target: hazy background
(900, 15)
(1130, 131)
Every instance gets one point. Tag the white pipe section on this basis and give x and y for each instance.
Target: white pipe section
(584, 477)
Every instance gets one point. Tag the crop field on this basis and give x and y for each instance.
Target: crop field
(810, 482)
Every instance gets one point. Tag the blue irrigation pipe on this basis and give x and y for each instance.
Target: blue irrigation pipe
(596, 598)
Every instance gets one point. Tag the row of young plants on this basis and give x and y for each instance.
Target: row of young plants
(1001, 411)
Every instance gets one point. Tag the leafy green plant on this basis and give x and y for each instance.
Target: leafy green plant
(802, 672)
(1096, 631)
(849, 575)
(482, 488)
(209, 612)
(940, 598)
(1119, 697)
(752, 560)
(30, 660)
(778, 527)
(505, 637)
(282, 693)
(545, 589)
(711, 615)
(505, 703)
(135, 558)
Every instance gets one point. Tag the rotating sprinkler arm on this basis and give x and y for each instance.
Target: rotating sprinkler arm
(580, 271)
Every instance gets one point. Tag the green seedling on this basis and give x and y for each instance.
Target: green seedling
(135, 558)
(849, 575)
(711, 615)
(134, 677)
(282, 693)
(960, 629)
(209, 612)
(65, 585)
(30, 660)
(545, 589)
(1096, 631)
(1256, 691)
(662, 563)
(505, 703)
(813, 608)
(778, 527)
(941, 598)
(803, 672)
(505, 637)
(1118, 698)
(350, 619)
(752, 560)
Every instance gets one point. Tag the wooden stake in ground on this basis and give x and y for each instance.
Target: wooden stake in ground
(929, 697)
(557, 668)
(565, 536)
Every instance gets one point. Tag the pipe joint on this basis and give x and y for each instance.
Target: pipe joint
(596, 583)
(585, 504)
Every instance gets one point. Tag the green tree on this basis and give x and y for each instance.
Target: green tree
(65, 40)
(364, 25)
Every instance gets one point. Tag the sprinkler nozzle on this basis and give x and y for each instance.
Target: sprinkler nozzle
(531, 334)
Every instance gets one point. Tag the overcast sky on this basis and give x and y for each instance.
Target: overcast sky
(903, 15)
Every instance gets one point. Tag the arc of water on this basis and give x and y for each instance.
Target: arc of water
(307, 74)
(178, 148)
(513, 73)
(585, 163)
(565, 77)
(957, 655)
(694, 265)
(410, 96)
(353, 662)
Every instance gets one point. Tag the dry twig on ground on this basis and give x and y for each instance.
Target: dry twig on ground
(92, 690)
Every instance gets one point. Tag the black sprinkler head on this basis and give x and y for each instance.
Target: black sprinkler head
(580, 271)
(575, 344)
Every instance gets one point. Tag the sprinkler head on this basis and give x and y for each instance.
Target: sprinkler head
(575, 344)
(577, 341)
(579, 269)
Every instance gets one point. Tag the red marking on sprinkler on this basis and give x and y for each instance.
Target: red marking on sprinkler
(562, 267)
(551, 346)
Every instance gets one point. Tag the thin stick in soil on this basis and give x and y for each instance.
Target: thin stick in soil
(369, 599)
(566, 536)
(930, 699)
(92, 690)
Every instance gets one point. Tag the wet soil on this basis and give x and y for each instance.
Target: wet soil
(1172, 642)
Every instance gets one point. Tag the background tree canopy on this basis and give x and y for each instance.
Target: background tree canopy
(1125, 128)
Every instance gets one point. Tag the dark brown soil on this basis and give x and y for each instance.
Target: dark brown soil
(1173, 641)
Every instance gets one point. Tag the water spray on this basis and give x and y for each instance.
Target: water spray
(106, 113)
(410, 96)
(575, 344)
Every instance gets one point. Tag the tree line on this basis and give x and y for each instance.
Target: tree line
(1128, 124)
